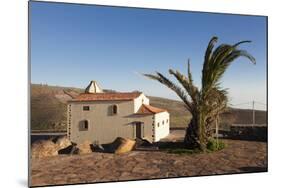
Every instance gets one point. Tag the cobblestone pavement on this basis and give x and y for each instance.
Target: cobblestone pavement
(239, 156)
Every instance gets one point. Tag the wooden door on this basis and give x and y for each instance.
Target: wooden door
(139, 130)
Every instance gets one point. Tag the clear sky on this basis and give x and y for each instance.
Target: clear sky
(73, 44)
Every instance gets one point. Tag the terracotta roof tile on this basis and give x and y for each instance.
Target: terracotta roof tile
(106, 96)
(147, 109)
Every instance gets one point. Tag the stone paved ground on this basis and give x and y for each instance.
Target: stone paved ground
(239, 156)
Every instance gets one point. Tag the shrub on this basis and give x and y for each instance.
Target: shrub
(215, 145)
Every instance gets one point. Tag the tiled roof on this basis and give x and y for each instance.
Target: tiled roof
(147, 109)
(106, 96)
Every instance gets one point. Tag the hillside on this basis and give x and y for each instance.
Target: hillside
(48, 109)
(178, 114)
(48, 106)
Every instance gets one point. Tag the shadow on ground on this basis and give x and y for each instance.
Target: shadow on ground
(253, 169)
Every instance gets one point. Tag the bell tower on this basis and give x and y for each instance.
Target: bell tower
(93, 88)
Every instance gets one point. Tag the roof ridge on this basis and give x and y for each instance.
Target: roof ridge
(151, 109)
(107, 96)
(146, 106)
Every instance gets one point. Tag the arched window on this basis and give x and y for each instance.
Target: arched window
(114, 109)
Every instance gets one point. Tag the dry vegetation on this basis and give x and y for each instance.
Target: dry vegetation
(178, 113)
(48, 106)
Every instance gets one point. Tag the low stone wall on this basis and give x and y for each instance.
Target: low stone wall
(248, 132)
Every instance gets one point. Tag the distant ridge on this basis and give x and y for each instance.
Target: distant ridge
(48, 109)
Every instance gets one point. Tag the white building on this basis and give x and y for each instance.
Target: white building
(101, 117)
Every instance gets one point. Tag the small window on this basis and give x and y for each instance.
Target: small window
(167, 121)
(163, 122)
(114, 109)
(158, 124)
(86, 108)
(83, 125)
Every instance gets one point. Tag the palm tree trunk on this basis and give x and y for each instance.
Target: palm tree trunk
(191, 139)
(202, 132)
(196, 133)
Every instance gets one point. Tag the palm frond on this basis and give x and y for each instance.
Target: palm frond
(210, 47)
(168, 83)
(187, 84)
(239, 53)
(220, 60)
(208, 56)
(241, 42)
(189, 72)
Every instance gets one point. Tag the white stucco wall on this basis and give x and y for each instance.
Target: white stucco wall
(161, 125)
(103, 126)
(142, 99)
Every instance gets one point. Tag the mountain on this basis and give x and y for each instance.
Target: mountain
(48, 109)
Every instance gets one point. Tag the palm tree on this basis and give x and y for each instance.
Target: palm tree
(207, 103)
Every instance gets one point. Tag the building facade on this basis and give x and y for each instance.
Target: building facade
(102, 117)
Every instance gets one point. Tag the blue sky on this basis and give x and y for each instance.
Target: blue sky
(73, 44)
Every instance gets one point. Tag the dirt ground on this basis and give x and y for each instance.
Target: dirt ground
(239, 156)
(175, 135)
